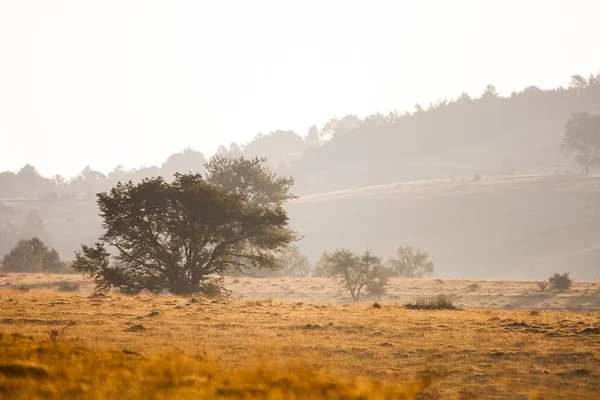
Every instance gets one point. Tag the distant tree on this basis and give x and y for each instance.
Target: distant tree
(313, 136)
(293, 262)
(578, 83)
(337, 126)
(582, 139)
(181, 236)
(187, 161)
(118, 173)
(353, 271)
(32, 255)
(490, 91)
(411, 262)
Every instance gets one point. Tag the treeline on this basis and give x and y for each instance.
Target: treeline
(352, 151)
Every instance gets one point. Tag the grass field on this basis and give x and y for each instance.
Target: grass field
(149, 346)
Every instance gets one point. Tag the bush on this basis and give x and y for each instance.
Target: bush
(377, 287)
(68, 286)
(543, 286)
(439, 302)
(560, 281)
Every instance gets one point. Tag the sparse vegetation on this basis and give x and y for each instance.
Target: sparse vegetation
(560, 281)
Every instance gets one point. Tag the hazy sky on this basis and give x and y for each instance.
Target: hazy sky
(109, 82)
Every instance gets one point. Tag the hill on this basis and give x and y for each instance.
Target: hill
(511, 227)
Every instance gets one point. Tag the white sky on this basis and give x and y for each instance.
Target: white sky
(108, 82)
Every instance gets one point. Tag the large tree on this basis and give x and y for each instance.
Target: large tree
(582, 139)
(181, 236)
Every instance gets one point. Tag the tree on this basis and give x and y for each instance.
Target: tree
(411, 262)
(293, 262)
(249, 178)
(32, 255)
(578, 83)
(582, 138)
(181, 236)
(353, 271)
(187, 161)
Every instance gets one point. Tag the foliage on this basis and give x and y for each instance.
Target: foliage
(353, 271)
(411, 262)
(32, 255)
(582, 139)
(560, 281)
(179, 236)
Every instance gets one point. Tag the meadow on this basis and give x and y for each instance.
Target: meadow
(80, 345)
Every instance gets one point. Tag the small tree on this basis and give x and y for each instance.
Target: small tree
(293, 262)
(181, 236)
(32, 255)
(560, 281)
(582, 139)
(353, 271)
(411, 262)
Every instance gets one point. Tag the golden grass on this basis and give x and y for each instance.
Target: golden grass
(282, 349)
(30, 369)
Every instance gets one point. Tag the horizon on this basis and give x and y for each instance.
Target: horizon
(135, 94)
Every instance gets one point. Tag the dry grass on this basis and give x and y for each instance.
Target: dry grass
(582, 296)
(30, 369)
(505, 354)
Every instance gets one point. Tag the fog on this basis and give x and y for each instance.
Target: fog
(400, 126)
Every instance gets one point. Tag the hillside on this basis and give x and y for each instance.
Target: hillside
(517, 227)
(510, 227)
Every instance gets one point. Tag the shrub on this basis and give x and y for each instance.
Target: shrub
(560, 281)
(377, 287)
(438, 302)
(65, 286)
(543, 286)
